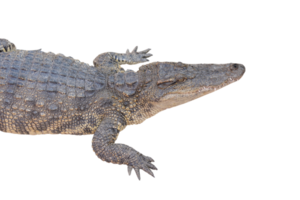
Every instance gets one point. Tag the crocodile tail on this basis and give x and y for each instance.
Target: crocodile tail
(6, 46)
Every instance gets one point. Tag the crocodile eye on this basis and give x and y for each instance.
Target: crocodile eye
(182, 79)
(165, 83)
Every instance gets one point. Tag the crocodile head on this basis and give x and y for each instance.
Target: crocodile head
(6, 45)
(173, 84)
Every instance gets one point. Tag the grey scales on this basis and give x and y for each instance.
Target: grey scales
(47, 93)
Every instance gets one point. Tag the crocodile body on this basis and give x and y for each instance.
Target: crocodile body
(42, 93)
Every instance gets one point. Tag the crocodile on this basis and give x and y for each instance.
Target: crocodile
(47, 93)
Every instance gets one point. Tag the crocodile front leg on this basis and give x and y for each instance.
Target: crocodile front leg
(6, 46)
(106, 149)
(132, 57)
(118, 60)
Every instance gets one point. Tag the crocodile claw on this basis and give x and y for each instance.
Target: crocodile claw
(142, 162)
(134, 56)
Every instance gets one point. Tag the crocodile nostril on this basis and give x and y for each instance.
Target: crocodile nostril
(234, 66)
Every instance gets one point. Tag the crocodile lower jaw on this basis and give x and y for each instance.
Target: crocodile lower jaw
(201, 91)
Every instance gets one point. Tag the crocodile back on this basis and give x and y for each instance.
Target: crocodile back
(38, 87)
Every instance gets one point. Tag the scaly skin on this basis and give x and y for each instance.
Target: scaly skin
(43, 93)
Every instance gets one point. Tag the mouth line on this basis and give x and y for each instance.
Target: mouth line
(207, 88)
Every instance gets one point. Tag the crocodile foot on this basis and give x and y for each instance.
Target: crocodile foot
(6, 46)
(135, 56)
(139, 161)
